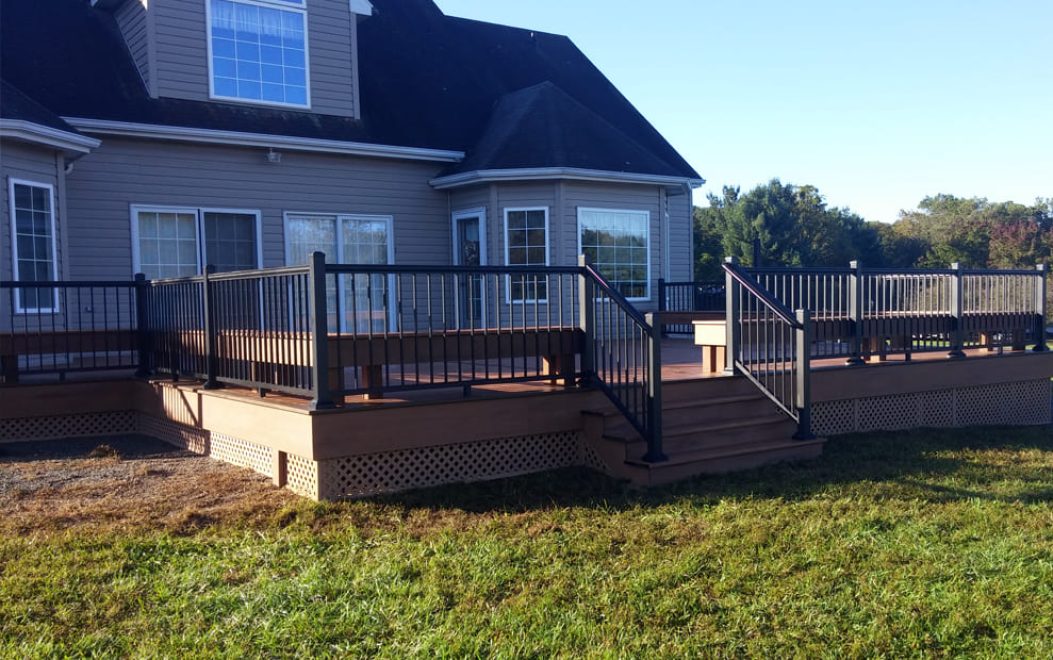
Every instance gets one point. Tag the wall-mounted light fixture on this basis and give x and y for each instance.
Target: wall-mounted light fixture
(274, 156)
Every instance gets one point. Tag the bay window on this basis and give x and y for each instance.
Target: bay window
(618, 245)
(526, 244)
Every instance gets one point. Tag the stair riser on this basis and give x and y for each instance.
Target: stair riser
(698, 390)
(659, 476)
(724, 439)
(725, 412)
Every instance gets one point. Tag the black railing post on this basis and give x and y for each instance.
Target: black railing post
(587, 320)
(210, 330)
(957, 311)
(804, 376)
(142, 326)
(655, 453)
(855, 311)
(731, 319)
(1040, 305)
(662, 306)
(319, 329)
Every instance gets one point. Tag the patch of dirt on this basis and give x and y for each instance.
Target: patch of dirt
(127, 483)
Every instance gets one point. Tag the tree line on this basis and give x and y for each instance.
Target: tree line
(795, 227)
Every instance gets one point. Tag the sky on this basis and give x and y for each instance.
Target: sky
(877, 103)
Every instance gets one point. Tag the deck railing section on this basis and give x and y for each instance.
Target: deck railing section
(859, 312)
(401, 328)
(694, 296)
(67, 327)
(770, 345)
(623, 357)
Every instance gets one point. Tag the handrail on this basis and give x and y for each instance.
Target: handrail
(623, 357)
(770, 346)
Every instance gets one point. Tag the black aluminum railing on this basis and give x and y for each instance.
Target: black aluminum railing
(700, 296)
(330, 331)
(68, 327)
(770, 345)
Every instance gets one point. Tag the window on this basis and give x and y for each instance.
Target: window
(358, 302)
(258, 51)
(33, 244)
(526, 244)
(168, 241)
(617, 243)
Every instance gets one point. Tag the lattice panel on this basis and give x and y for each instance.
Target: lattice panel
(67, 426)
(1022, 403)
(937, 409)
(889, 413)
(186, 437)
(387, 472)
(834, 417)
(593, 460)
(302, 476)
(241, 453)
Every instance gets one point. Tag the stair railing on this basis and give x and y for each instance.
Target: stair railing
(622, 356)
(770, 345)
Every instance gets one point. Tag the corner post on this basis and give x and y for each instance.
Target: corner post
(655, 452)
(1040, 305)
(731, 317)
(587, 320)
(142, 326)
(318, 318)
(662, 306)
(210, 330)
(803, 385)
(855, 312)
(957, 307)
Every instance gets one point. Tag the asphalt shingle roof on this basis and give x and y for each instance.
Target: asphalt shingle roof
(426, 80)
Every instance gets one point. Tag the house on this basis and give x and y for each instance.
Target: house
(159, 137)
(396, 202)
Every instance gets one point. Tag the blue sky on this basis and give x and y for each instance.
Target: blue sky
(876, 103)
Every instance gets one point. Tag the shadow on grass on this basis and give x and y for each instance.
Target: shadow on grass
(931, 465)
(128, 447)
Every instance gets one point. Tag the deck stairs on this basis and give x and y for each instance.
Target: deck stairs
(710, 426)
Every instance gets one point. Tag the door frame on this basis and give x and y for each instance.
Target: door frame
(455, 217)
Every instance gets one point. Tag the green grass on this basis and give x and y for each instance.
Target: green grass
(922, 544)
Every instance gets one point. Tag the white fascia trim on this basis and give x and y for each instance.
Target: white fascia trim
(19, 129)
(362, 7)
(287, 142)
(571, 173)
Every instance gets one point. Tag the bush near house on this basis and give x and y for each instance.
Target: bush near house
(927, 543)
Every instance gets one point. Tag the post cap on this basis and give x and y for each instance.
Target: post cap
(956, 265)
(1042, 267)
(140, 277)
(731, 260)
(855, 264)
(210, 269)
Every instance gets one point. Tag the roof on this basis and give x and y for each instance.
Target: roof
(426, 81)
(14, 105)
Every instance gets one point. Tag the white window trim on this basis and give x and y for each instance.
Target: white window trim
(548, 251)
(285, 6)
(483, 250)
(198, 213)
(389, 220)
(11, 183)
(592, 209)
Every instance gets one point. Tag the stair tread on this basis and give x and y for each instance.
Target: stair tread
(629, 434)
(684, 405)
(701, 455)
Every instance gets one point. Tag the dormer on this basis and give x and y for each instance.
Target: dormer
(299, 55)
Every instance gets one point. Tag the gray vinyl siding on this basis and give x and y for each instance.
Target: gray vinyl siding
(126, 172)
(132, 20)
(681, 237)
(182, 68)
(22, 161)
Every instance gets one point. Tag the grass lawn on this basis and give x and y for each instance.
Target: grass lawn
(928, 543)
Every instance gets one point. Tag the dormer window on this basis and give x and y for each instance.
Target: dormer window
(258, 51)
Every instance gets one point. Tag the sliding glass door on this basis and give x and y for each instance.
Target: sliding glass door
(359, 303)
